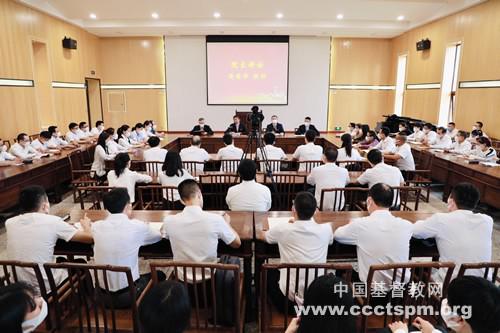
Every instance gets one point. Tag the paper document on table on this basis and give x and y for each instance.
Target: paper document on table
(490, 164)
(274, 221)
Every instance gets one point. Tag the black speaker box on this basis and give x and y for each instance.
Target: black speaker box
(424, 44)
(69, 43)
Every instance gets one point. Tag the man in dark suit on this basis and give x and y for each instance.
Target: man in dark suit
(306, 127)
(274, 126)
(237, 126)
(201, 128)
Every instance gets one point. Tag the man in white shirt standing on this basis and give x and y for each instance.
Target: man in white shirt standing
(193, 233)
(117, 240)
(429, 135)
(367, 232)
(461, 235)
(271, 152)
(329, 175)
(442, 141)
(301, 241)
(248, 195)
(23, 149)
(229, 152)
(461, 145)
(386, 143)
(451, 130)
(32, 236)
(402, 156)
(155, 153)
(309, 151)
(195, 153)
(99, 127)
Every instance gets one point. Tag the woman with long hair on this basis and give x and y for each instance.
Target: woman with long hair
(172, 175)
(370, 141)
(113, 146)
(346, 152)
(122, 176)
(124, 139)
(101, 155)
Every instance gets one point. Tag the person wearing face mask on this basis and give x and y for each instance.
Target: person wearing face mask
(122, 176)
(99, 127)
(451, 130)
(403, 129)
(302, 130)
(21, 311)
(484, 151)
(201, 128)
(478, 126)
(430, 136)
(351, 129)
(83, 131)
(472, 306)
(113, 146)
(72, 135)
(366, 233)
(124, 139)
(155, 153)
(442, 141)
(275, 127)
(386, 143)
(22, 148)
(308, 151)
(461, 235)
(42, 143)
(461, 145)
(193, 233)
(370, 141)
(6, 158)
(237, 127)
(101, 155)
(32, 236)
(403, 155)
(55, 138)
(418, 135)
(148, 127)
(138, 134)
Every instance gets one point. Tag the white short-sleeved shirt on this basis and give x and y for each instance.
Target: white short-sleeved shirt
(249, 196)
(155, 154)
(328, 175)
(6, 156)
(114, 148)
(464, 147)
(23, 152)
(461, 237)
(173, 181)
(308, 152)
(489, 155)
(431, 137)
(417, 136)
(32, 237)
(443, 142)
(195, 154)
(70, 137)
(406, 161)
(272, 153)
(82, 134)
(56, 142)
(139, 137)
(342, 155)
(117, 240)
(453, 133)
(382, 173)
(100, 158)
(386, 146)
(128, 179)
(300, 242)
(95, 131)
(125, 142)
(367, 232)
(38, 145)
(229, 152)
(194, 236)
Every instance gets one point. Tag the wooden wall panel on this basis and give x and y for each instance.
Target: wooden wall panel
(486, 108)
(17, 112)
(422, 104)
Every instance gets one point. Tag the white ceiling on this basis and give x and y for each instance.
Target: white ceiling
(362, 18)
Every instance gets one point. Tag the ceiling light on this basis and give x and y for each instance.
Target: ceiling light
(155, 15)
(217, 15)
(401, 17)
(93, 16)
(340, 16)
(279, 15)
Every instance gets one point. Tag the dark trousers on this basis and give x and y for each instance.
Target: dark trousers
(275, 294)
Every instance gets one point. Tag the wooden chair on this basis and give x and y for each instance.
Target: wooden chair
(33, 137)
(419, 178)
(6, 143)
(151, 197)
(204, 312)
(405, 195)
(411, 285)
(354, 165)
(489, 270)
(270, 319)
(94, 196)
(275, 165)
(214, 189)
(81, 175)
(194, 167)
(287, 186)
(89, 294)
(308, 165)
(153, 168)
(229, 165)
(343, 199)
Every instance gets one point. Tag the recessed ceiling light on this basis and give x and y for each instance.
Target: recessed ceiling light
(340, 16)
(155, 15)
(217, 15)
(93, 16)
(279, 15)
(401, 17)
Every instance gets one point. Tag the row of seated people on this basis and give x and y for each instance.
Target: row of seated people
(461, 235)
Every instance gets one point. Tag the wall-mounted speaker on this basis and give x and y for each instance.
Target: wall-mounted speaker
(69, 43)
(423, 44)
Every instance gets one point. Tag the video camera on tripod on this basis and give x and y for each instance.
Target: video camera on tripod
(256, 118)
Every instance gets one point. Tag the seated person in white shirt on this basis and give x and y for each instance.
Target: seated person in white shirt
(386, 143)
(32, 236)
(461, 145)
(56, 140)
(101, 155)
(41, 144)
(300, 241)
(117, 240)
(442, 141)
(461, 235)
(451, 130)
(418, 134)
(99, 127)
(484, 151)
(474, 135)
(403, 155)
(308, 151)
(367, 232)
(139, 134)
(229, 152)
(404, 129)
(148, 126)
(172, 174)
(478, 126)
(430, 136)
(195, 153)
(83, 131)
(472, 306)
(271, 153)
(113, 146)
(248, 195)
(346, 151)
(122, 176)
(124, 137)
(329, 175)
(72, 135)
(155, 153)
(22, 149)
(193, 233)
(6, 158)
